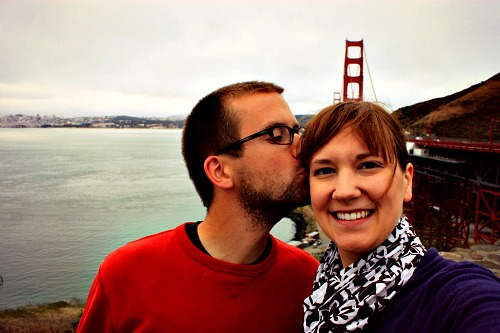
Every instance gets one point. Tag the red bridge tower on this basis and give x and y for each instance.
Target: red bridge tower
(353, 71)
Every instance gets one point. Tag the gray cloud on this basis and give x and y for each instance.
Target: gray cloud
(156, 58)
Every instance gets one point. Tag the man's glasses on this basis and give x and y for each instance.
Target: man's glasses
(278, 135)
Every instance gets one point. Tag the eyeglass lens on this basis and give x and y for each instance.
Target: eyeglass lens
(281, 135)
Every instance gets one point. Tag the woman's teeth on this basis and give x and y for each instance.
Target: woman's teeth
(353, 216)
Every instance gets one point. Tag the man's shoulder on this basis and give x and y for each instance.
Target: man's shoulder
(149, 241)
(146, 247)
(295, 254)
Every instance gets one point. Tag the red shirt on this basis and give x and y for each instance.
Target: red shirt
(163, 283)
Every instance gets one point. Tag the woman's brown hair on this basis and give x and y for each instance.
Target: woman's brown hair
(380, 131)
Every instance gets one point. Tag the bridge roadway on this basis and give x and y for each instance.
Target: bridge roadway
(487, 147)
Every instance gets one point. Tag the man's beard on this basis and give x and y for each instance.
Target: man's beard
(267, 205)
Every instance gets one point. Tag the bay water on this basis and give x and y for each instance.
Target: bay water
(68, 197)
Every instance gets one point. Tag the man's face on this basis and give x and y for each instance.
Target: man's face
(271, 180)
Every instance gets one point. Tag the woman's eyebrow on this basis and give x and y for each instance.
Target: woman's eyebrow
(322, 161)
(366, 155)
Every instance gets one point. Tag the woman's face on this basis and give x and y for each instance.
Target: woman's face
(357, 197)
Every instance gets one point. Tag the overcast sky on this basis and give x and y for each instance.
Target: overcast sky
(158, 58)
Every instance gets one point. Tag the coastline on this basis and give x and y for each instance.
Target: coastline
(58, 317)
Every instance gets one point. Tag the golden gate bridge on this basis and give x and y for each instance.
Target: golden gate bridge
(456, 185)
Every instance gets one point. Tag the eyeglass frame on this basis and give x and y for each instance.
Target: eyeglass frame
(269, 130)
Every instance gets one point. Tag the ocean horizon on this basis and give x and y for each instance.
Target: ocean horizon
(70, 196)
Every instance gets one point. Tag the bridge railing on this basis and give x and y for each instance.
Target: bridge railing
(460, 145)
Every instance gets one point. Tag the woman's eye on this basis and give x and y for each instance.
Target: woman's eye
(370, 165)
(323, 171)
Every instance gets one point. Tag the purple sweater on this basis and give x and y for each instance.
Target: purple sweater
(443, 296)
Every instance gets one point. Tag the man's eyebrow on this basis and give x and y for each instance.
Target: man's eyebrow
(276, 123)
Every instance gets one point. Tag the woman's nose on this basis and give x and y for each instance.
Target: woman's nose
(346, 187)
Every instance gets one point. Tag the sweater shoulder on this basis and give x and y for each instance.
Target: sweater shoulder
(148, 247)
(445, 270)
(444, 296)
(446, 279)
(295, 254)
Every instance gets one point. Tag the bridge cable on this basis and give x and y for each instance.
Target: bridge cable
(369, 74)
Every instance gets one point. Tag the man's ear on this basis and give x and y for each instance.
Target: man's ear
(218, 171)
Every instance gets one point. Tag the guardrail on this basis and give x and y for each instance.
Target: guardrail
(459, 145)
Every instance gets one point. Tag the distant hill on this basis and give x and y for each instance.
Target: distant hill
(303, 119)
(466, 114)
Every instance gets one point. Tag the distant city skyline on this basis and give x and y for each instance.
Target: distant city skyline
(179, 116)
(41, 121)
(158, 58)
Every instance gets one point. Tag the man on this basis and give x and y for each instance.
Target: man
(226, 273)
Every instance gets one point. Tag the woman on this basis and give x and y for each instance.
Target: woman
(376, 276)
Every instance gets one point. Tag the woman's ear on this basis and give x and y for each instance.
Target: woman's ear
(408, 182)
(218, 171)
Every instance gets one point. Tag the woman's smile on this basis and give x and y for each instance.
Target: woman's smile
(350, 216)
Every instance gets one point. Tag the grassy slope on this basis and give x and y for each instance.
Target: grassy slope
(54, 318)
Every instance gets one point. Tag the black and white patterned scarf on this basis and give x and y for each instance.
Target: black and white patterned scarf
(343, 299)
